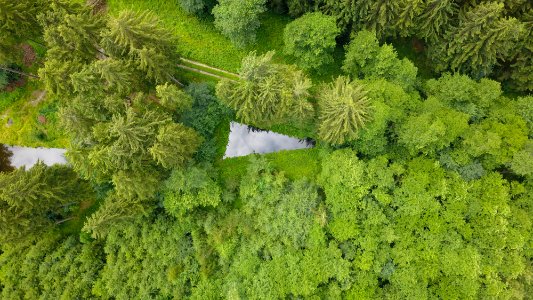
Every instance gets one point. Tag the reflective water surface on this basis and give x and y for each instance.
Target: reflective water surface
(244, 140)
(25, 156)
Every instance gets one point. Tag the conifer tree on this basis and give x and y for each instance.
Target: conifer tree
(18, 24)
(344, 110)
(30, 198)
(267, 92)
(482, 37)
(71, 31)
(435, 18)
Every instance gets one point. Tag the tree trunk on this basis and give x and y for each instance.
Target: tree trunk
(19, 72)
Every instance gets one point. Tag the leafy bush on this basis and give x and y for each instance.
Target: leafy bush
(365, 58)
(311, 40)
(239, 19)
(188, 189)
(196, 6)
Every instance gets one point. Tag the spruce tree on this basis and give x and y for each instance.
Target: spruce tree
(267, 93)
(18, 24)
(435, 18)
(482, 37)
(344, 110)
(30, 200)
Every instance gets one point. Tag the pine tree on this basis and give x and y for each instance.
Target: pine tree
(71, 31)
(267, 92)
(435, 19)
(406, 21)
(482, 37)
(140, 37)
(18, 23)
(111, 213)
(344, 110)
(30, 198)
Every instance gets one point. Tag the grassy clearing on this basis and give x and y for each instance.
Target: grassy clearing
(295, 164)
(199, 40)
(23, 107)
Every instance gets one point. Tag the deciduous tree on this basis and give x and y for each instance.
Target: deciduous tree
(311, 40)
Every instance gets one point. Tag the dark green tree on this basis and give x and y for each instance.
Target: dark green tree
(311, 40)
(33, 200)
(483, 36)
(435, 18)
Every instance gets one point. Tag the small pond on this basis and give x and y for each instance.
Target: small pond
(244, 140)
(25, 156)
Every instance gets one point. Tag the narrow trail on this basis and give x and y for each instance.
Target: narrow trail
(208, 67)
(203, 72)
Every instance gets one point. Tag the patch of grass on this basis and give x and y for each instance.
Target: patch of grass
(296, 164)
(26, 129)
(199, 40)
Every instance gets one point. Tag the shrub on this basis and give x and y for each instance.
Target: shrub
(311, 40)
(239, 19)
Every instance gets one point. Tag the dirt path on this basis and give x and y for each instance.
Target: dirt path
(203, 72)
(209, 67)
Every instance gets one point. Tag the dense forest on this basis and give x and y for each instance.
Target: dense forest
(419, 184)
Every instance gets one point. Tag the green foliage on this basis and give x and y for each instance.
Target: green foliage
(267, 92)
(311, 40)
(188, 189)
(398, 220)
(435, 19)
(53, 267)
(238, 20)
(196, 6)
(32, 200)
(365, 58)
(344, 110)
(433, 128)
(173, 98)
(18, 22)
(277, 235)
(482, 36)
(3, 80)
(297, 8)
(148, 258)
(205, 116)
(525, 109)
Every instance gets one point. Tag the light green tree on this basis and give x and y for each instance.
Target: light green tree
(267, 92)
(238, 20)
(344, 110)
(311, 40)
(365, 58)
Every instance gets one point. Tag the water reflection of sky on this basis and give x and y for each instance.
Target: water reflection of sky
(243, 141)
(24, 156)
